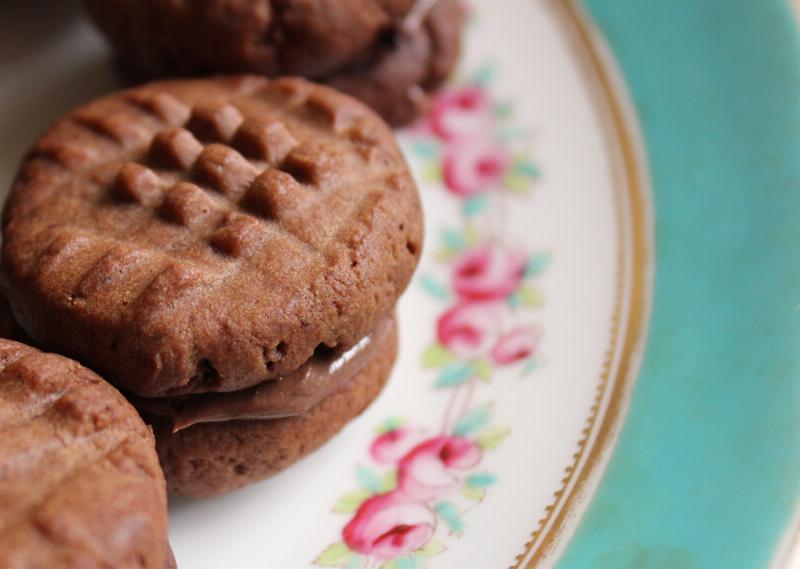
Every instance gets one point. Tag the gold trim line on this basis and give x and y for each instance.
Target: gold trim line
(635, 258)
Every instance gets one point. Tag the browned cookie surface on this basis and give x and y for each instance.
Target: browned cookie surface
(80, 485)
(211, 458)
(389, 52)
(207, 235)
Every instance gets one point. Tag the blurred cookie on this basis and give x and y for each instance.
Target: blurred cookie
(396, 77)
(387, 52)
(217, 236)
(269, 37)
(80, 484)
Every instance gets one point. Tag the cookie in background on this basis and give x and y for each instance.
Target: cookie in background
(389, 54)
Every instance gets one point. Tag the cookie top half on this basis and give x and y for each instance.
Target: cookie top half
(80, 484)
(206, 235)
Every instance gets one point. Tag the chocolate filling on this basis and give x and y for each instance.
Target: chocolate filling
(287, 396)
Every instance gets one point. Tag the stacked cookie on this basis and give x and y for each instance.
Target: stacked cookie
(388, 53)
(226, 251)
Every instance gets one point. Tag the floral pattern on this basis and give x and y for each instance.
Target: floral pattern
(421, 483)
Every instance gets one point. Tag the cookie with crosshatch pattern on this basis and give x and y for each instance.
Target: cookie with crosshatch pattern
(207, 235)
(80, 484)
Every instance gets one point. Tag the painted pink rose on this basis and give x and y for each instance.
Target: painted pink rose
(515, 345)
(474, 165)
(427, 472)
(393, 445)
(388, 526)
(470, 329)
(488, 272)
(461, 113)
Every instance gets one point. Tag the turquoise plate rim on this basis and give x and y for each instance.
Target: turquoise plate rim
(704, 474)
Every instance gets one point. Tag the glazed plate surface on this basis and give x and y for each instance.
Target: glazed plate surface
(598, 364)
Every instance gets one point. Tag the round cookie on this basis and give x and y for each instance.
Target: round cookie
(269, 37)
(208, 235)
(387, 52)
(214, 457)
(80, 484)
(396, 77)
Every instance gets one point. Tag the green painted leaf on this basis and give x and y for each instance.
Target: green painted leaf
(425, 149)
(335, 555)
(529, 366)
(390, 564)
(454, 239)
(454, 374)
(493, 437)
(536, 264)
(530, 296)
(409, 562)
(432, 287)
(516, 183)
(474, 420)
(436, 355)
(483, 75)
(481, 480)
(473, 493)
(445, 254)
(389, 480)
(514, 300)
(504, 110)
(356, 562)
(368, 479)
(475, 205)
(432, 172)
(483, 369)
(390, 424)
(450, 514)
(527, 169)
(509, 133)
(432, 548)
(350, 502)
(471, 235)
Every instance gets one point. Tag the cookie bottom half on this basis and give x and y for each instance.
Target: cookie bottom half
(207, 459)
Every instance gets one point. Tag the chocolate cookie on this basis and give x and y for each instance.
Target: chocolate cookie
(208, 235)
(270, 37)
(389, 52)
(226, 250)
(397, 75)
(80, 484)
(210, 455)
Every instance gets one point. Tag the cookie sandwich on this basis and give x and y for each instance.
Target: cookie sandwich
(226, 251)
(388, 53)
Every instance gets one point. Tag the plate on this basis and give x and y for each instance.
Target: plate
(598, 362)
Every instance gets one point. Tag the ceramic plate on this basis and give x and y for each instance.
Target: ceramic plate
(599, 350)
